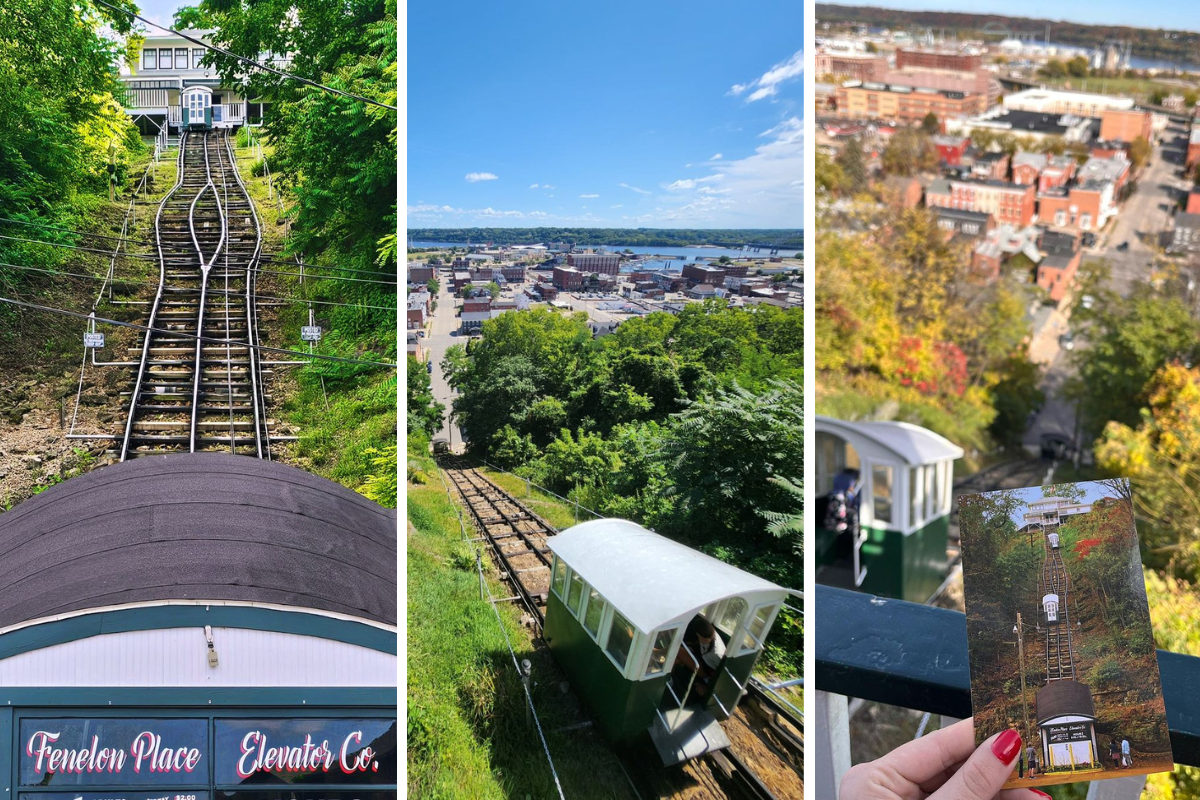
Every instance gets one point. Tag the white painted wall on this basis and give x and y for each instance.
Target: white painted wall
(179, 657)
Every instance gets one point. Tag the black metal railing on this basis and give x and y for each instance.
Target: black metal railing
(915, 656)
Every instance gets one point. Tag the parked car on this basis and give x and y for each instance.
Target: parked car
(1122, 247)
(1067, 341)
(1087, 301)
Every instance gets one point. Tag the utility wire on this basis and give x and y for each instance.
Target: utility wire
(183, 335)
(248, 61)
(152, 257)
(131, 281)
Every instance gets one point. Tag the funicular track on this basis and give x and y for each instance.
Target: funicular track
(198, 385)
(1060, 650)
(763, 730)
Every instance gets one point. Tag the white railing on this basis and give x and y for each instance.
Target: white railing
(175, 115)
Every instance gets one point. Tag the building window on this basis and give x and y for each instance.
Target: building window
(757, 630)
(149, 58)
(1085, 221)
(731, 615)
(659, 651)
(620, 640)
(165, 61)
(881, 493)
(575, 594)
(560, 577)
(197, 54)
(970, 228)
(1060, 217)
(595, 610)
(181, 58)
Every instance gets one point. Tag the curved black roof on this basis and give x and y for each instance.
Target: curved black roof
(1062, 699)
(197, 527)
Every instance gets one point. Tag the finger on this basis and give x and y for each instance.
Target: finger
(1023, 794)
(932, 755)
(985, 771)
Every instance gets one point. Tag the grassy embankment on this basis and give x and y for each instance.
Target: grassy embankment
(345, 416)
(467, 730)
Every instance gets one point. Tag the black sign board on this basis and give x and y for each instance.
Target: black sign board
(1070, 732)
(308, 794)
(117, 795)
(114, 752)
(306, 751)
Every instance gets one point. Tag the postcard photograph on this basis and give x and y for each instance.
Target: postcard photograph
(1058, 630)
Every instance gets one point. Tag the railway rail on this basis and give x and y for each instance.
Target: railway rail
(767, 754)
(199, 379)
(1060, 648)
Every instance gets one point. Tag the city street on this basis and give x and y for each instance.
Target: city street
(1139, 222)
(437, 342)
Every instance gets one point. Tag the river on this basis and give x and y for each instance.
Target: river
(674, 253)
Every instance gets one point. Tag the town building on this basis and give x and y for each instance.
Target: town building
(513, 273)
(1193, 150)
(1035, 125)
(475, 312)
(1185, 238)
(989, 166)
(1125, 125)
(1084, 206)
(904, 103)
(418, 310)
(702, 291)
(419, 273)
(1115, 170)
(1054, 101)
(459, 279)
(1042, 170)
(1173, 102)
(567, 278)
(1061, 255)
(167, 76)
(960, 222)
(950, 149)
(852, 65)
(1193, 201)
(1007, 202)
(949, 60)
(1002, 243)
(602, 263)
(703, 273)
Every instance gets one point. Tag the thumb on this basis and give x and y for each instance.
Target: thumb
(982, 775)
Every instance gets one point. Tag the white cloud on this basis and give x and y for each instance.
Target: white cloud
(475, 177)
(767, 84)
(618, 205)
(715, 157)
(588, 196)
(633, 188)
(547, 186)
(692, 183)
(533, 186)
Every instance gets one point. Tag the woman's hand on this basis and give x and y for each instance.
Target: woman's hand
(941, 766)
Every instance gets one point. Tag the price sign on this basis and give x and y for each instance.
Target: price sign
(310, 333)
(93, 340)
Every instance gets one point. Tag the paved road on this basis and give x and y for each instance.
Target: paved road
(1145, 215)
(1139, 222)
(437, 342)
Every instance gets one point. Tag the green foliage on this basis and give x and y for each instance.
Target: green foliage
(424, 413)
(853, 164)
(930, 124)
(381, 485)
(60, 126)
(909, 150)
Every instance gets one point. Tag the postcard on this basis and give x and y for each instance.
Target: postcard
(1058, 632)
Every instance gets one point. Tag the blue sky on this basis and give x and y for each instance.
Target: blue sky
(1169, 14)
(656, 113)
(162, 11)
(1092, 491)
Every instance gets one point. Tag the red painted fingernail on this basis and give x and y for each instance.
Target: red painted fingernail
(1040, 793)
(1006, 746)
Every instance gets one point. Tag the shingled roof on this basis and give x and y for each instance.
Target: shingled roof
(197, 527)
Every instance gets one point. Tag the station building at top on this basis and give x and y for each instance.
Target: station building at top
(169, 77)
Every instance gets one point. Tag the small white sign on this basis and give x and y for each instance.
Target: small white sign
(93, 340)
(310, 333)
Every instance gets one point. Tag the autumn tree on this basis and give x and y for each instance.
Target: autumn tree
(853, 164)
(909, 151)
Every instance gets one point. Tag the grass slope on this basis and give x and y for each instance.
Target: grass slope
(467, 730)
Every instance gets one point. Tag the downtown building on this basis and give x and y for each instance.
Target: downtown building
(1006, 202)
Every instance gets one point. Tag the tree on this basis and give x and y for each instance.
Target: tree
(853, 164)
(930, 124)
(1139, 152)
(493, 289)
(434, 286)
(193, 18)
(830, 177)
(908, 151)
(1157, 96)
(1078, 67)
(1053, 69)
(424, 413)
(1190, 97)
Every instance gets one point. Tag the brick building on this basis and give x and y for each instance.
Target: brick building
(905, 104)
(1044, 171)
(513, 273)
(418, 310)
(703, 273)
(904, 192)
(419, 273)
(951, 149)
(990, 166)
(1125, 125)
(857, 66)
(1061, 255)
(1084, 207)
(1007, 202)
(938, 59)
(567, 278)
(1052, 101)
(1186, 236)
(1193, 151)
(1193, 201)
(601, 263)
